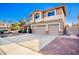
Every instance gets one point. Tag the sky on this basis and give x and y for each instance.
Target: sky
(14, 12)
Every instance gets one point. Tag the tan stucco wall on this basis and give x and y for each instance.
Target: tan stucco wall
(58, 21)
(34, 14)
(59, 11)
(59, 18)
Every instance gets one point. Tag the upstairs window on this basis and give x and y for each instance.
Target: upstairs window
(37, 16)
(51, 13)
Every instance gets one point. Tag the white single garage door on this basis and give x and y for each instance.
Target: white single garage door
(38, 29)
(53, 29)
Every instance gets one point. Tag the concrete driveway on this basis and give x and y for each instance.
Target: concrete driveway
(27, 43)
(10, 48)
(32, 41)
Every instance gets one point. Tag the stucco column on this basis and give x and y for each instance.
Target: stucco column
(46, 28)
(59, 27)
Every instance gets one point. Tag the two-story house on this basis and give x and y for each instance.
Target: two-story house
(4, 26)
(51, 21)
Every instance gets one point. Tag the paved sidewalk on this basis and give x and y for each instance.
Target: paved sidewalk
(10, 48)
(14, 49)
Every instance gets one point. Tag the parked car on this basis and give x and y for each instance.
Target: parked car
(1, 31)
(5, 31)
(20, 31)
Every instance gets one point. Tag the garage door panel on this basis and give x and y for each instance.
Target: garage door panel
(38, 29)
(54, 29)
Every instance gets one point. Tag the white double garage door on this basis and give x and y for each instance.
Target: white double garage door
(52, 29)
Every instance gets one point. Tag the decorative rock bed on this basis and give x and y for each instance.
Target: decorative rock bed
(62, 46)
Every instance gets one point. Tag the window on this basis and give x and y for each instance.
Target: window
(51, 13)
(37, 16)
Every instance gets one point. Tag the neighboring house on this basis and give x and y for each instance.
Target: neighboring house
(4, 26)
(73, 29)
(24, 27)
(51, 21)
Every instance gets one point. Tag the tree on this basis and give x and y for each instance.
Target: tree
(23, 22)
(15, 26)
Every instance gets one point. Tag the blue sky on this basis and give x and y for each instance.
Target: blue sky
(14, 12)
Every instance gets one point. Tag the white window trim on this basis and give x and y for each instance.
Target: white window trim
(37, 20)
(55, 12)
(39, 15)
(50, 11)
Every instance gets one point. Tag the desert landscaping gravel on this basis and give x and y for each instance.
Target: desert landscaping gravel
(62, 46)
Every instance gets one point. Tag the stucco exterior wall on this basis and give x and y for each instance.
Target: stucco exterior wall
(59, 11)
(4, 26)
(32, 17)
(57, 18)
